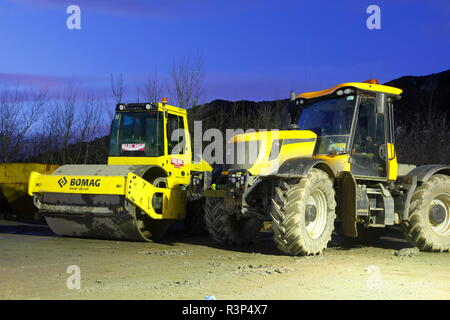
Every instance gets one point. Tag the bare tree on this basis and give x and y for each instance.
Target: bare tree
(72, 131)
(118, 87)
(187, 81)
(20, 110)
(64, 120)
(29, 115)
(151, 89)
(47, 139)
(89, 121)
(8, 121)
(107, 109)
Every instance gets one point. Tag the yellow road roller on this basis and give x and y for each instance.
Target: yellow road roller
(151, 180)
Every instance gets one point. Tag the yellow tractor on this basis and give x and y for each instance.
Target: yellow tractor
(151, 180)
(333, 160)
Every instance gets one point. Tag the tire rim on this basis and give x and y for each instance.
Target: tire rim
(443, 201)
(316, 225)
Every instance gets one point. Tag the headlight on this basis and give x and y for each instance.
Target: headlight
(237, 180)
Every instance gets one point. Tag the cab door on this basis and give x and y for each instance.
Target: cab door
(177, 147)
(371, 134)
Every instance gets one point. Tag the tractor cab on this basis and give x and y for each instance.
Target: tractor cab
(351, 120)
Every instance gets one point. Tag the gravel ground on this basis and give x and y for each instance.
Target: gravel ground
(34, 265)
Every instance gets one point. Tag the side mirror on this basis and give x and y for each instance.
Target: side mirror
(380, 103)
(292, 110)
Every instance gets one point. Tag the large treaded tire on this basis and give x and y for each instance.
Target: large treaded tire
(288, 213)
(226, 228)
(418, 228)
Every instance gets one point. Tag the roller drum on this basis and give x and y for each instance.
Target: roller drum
(99, 216)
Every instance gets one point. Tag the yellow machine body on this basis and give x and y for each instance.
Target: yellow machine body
(117, 200)
(333, 164)
(302, 143)
(342, 153)
(14, 179)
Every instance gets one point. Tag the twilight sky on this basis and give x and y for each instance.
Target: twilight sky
(253, 49)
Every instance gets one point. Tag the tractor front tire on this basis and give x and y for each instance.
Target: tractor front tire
(226, 228)
(303, 213)
(428, 226)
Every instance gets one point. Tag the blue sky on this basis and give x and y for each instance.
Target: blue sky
(253, 49)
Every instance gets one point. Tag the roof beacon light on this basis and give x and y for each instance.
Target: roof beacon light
(292, 95)
(164, 100)
(371, 81)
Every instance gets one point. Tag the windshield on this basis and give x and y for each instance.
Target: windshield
(331, 120)
(137, 134)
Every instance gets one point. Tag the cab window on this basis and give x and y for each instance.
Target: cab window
(175, 134)
(368, 152)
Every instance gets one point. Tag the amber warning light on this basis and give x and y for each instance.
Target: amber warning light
(371, 81)
(164, 100)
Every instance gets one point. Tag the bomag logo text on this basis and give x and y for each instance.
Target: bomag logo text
(84, 182)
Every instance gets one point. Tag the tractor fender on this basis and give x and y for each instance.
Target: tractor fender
(413, 179)
(299, 168)
(423, 173)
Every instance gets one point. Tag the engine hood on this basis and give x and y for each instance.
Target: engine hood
(261, 153)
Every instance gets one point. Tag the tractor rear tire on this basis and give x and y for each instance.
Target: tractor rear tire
(428, 226)
(303, 214)
(226, 228)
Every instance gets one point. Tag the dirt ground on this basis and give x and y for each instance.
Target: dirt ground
(34, 264)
